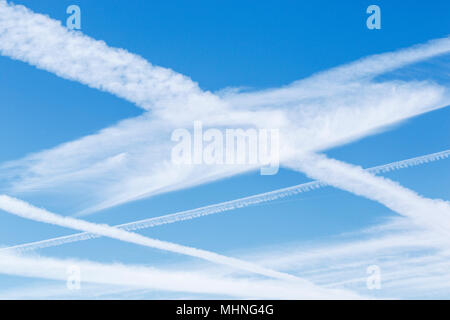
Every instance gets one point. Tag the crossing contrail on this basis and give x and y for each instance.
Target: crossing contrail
(224, 206)
(43, 42)
(27, 211)
(138, 277)
(112, 157)
(433, 214)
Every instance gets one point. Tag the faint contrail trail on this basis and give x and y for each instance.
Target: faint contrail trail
(27, 211)
(224, 206)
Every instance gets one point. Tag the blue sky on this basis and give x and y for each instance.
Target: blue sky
(234, 44)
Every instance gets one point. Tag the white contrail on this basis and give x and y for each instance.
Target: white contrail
(25, 210)
(182, 281)
(46, 44)
(342, 77)
(430, 213)
(224, 206)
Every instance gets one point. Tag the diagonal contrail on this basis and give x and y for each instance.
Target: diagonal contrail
(27, 211)
(433, 214)
(45, 43)
(138, 277)
(224, 206)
